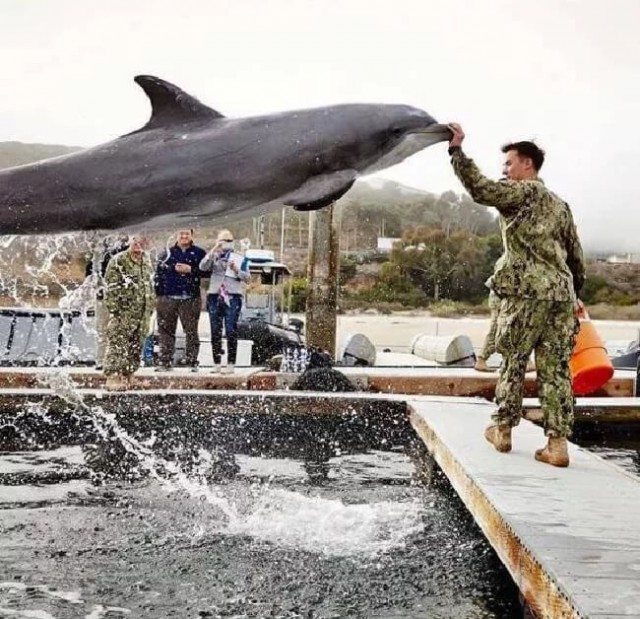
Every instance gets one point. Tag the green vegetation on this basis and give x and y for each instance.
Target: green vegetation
(297, 287)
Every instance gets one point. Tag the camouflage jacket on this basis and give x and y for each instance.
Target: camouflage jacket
(129, 287)
(500, 260)
(543, 257)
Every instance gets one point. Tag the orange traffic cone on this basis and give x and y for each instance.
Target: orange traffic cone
(590, 365)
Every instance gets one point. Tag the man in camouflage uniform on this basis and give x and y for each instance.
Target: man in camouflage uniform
(129, 299)
(538, 282)
(97, 268)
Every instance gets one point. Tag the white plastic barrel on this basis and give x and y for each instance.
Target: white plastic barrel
(445, 349)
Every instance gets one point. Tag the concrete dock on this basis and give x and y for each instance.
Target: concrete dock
(569, 537)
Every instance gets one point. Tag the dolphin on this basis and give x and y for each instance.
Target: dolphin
(190, 164)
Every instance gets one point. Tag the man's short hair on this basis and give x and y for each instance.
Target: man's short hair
(141, 238)
(527, 149)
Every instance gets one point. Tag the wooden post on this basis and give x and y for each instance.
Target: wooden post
(322, 275)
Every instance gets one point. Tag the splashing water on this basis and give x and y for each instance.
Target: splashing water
(167, 473)
(277, 516)
(329, 526)
(43, 591)
(37, 266)
(72, 597)
(38, 272)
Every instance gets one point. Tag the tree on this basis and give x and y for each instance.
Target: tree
(450, 265)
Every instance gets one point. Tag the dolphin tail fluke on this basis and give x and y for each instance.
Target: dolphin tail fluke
(320, 191)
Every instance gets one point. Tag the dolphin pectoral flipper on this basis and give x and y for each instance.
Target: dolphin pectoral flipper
(320, 191)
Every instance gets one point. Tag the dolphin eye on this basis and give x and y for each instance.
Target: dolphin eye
(397, 132)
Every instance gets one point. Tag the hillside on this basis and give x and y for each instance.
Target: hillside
(623, 277)
(18, 153)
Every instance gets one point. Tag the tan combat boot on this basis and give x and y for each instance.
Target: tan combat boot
(499, 437)
(481, 365)
(555, 452)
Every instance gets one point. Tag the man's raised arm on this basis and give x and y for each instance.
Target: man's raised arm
(503, 195)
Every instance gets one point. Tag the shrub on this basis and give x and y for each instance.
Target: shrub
(592, 285)
(613, 296)
(454, 309)
(299, 290)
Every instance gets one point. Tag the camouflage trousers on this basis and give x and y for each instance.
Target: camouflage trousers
(489, 346)
(102, 323)
(125, 339)
(549, 329)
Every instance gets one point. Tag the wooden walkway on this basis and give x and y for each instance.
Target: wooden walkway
(569, 537)
(404, 380)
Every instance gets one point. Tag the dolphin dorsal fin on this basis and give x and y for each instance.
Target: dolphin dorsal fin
(170, 105)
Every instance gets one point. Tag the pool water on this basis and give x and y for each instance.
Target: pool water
(618, 443)
(356, 535)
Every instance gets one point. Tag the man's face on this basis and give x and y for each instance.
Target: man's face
(184, 237)
(138, 244)
(517, 168)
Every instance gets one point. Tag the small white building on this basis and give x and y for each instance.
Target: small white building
(630, 258)
(385, 243)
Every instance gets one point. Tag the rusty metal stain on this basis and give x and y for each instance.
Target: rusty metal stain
(472, 385)
(537, 587)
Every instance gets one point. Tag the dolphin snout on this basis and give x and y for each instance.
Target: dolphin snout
(432, 134)
(437, 128)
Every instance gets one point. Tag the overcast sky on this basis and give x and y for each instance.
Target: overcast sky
(565, 72)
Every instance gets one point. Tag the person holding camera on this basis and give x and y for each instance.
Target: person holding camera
(229, 274)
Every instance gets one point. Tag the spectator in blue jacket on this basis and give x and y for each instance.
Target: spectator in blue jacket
(177, 285)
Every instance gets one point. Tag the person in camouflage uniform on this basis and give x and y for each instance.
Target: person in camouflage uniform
(538, 282)
(97, 268)
(129, 299)
(489, 345)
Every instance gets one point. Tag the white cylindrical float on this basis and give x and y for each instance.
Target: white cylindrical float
(456, 350)
(357, 349)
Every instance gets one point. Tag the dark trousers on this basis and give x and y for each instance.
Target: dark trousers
(219, 313)
(188, 311)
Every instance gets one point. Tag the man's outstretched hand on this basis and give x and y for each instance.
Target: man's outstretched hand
(458, 135)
